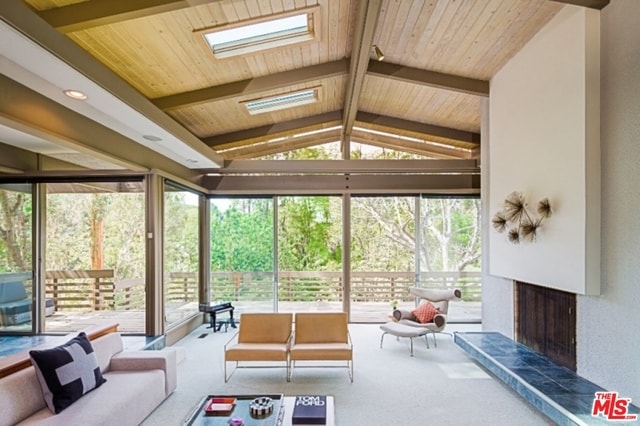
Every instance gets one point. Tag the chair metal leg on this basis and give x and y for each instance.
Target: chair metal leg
(382, 339)
(226, 378)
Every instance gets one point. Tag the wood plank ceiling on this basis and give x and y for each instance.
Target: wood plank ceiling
(423, 98)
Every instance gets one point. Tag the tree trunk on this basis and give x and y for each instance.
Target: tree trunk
(99, 206)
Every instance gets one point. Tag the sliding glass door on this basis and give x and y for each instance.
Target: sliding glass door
(310, 254)
(242, 253)
(16, 267)
(382, 255)
(95, 255)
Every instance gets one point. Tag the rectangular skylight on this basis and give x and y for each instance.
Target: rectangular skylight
(261, 35)
(287, 100)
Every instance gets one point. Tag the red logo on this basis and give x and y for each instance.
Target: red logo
(611, 407)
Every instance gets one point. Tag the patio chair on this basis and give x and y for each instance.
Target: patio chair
(431, 314)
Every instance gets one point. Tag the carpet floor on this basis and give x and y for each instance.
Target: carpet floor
(436, 386)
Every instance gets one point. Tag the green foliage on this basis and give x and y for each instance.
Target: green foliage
(69, 218)
(242, 236)
(306, 231)
(15, 229)
(181, 232)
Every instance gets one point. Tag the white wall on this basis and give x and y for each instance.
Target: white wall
(608, 349)
(543, 137)
(608, 345)
(497, 293)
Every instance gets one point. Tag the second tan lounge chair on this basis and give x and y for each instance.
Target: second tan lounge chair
(322, 336)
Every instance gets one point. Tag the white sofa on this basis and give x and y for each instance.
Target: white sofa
(137, 382)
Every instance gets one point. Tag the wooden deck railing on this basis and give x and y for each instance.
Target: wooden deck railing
(96, 290)
(81, 289)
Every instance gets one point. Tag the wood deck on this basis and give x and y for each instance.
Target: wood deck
(133, 321)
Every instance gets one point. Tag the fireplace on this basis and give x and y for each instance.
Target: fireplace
(545, 321)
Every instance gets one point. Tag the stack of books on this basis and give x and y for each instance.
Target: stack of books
(309, 410)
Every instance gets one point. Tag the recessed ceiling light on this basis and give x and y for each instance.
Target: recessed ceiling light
(75, 94)
(152, 138)
(278, 102)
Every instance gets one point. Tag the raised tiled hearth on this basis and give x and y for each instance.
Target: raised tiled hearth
(555, 390)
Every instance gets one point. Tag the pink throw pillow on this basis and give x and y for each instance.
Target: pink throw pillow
(425, 312)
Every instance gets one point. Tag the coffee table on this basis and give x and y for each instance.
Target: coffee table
(281, 416)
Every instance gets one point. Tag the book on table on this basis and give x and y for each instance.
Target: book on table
(309, 410)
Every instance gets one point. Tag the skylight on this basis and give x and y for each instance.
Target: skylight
(287, 100)
(261, 35)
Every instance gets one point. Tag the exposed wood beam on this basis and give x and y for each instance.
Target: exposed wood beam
(592, 4)
(427, 131)
(428, 78)
(366, 22)
(254, 85)
(85, 15)
(413, 147)
(270, 148)
(352, 184)
(345, 166)
(285, 128)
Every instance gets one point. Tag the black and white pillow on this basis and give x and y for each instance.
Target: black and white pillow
(67, 372)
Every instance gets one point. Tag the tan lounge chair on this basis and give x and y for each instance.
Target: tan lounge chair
(322, 337)
(260, 337)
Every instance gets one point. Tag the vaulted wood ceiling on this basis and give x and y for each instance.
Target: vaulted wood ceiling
(423, 98)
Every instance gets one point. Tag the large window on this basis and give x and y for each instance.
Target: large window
(95, 255)
(242, 253)
(449, 252)
(181, 253)
(396, 242)
(310, 254)
(16, 284)
(382, 255)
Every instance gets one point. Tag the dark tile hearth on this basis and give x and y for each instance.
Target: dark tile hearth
(558, 392)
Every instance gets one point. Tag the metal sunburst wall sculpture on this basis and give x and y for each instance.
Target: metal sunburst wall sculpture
(516, 220)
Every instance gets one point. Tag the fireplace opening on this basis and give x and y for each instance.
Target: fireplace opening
(545, 321)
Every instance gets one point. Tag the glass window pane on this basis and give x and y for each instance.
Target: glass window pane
(95, 255)
(242, 253)
(16, 269)
(382, 256)
(181, 254)
(450, 252)
(310, 254)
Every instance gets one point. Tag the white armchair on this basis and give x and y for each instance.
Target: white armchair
(439, 299)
